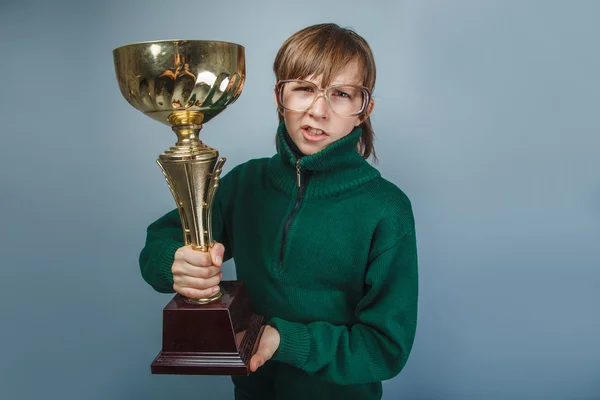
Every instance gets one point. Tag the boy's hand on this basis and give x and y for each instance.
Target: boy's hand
(269, 343)
(196, 274)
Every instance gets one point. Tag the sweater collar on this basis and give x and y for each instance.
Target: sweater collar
(336, 168)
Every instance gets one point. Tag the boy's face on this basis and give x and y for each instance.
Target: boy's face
(318, 127)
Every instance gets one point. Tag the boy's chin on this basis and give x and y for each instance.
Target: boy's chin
(310, 150)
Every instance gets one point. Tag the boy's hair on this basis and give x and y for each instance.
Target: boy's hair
(324, 50)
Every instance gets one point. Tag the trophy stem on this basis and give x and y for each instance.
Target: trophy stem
(188, 135)
(187, 125)
(192, 171)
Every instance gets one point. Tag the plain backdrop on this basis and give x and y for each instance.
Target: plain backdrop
(486, 116)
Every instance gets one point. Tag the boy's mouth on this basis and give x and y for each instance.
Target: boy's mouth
(313, 131)
(311, 134)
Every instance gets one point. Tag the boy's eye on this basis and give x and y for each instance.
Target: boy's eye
(341, 94)
(303, 89)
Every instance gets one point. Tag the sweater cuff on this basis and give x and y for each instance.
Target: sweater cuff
(166, 261)
(294, 342)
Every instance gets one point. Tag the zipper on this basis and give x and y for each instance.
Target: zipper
(288, 222)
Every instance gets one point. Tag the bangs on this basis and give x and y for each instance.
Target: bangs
(324, 51)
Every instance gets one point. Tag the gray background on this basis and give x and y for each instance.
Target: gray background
(486, 116)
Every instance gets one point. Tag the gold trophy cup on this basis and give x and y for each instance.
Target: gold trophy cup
(184, 84)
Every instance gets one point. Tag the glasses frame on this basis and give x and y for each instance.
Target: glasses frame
(321, 92)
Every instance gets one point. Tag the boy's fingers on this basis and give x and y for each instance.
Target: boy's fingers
(196, 272)
(196, 257)
(192, 293)
(200, 284)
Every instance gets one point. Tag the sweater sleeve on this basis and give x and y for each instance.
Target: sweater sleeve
(163, 237)
(377, 346)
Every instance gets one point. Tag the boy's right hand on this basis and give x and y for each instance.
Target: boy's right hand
(196, 274)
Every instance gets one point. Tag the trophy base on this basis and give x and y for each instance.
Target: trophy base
(217, 338)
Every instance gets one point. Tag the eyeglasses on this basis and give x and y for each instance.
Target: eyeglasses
(344, 100)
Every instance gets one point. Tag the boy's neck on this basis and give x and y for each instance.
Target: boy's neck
(293, 147)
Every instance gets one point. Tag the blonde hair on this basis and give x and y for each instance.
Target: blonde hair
(325, 50)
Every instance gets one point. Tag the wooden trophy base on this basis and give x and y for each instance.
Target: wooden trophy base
(218, 338)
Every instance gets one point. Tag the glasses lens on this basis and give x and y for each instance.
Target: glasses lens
(297, 96)
(344, 100)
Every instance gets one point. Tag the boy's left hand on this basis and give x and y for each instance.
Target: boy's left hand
(269, 342)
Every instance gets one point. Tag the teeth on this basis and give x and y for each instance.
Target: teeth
(314, 131)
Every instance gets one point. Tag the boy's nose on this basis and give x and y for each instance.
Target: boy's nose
(320, 107)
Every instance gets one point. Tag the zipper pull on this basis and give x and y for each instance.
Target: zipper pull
(298, 173)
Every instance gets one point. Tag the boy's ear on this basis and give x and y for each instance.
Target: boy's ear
(367, 113)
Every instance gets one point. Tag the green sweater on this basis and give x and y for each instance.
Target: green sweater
(327, 250)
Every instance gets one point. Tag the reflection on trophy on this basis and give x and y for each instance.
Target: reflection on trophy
(184, 84)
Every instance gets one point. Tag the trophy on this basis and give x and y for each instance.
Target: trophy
(184, 84)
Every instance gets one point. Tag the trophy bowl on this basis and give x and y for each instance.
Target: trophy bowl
(180, 81)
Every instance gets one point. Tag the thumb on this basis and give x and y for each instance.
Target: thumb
(217, 252)
(256, 362)
(259, 359)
